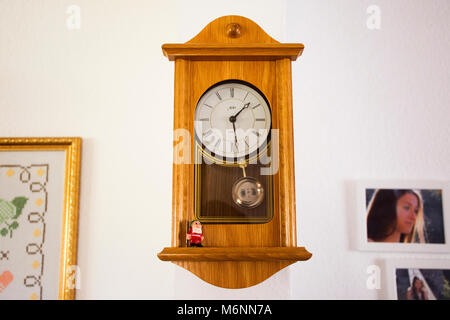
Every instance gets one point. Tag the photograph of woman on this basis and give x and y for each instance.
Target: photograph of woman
(417, 290)
(404, 216)
(422, 284)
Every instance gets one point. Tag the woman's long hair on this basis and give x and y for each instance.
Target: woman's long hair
(414, 292)
(382, 216)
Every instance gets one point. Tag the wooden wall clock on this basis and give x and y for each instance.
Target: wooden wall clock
(233, 117)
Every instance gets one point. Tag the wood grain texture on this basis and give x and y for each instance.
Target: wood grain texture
(235, 255)
(233, 274)
(204, 74)
(183, 175)
(216, 32)
(286, 154)
(215, 42)
(232, 51)
(215, 193)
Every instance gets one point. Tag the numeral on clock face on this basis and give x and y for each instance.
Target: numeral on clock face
(217, 143)
(207, 133)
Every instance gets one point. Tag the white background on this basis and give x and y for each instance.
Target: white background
(368, 104)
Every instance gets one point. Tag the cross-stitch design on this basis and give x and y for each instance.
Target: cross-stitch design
(4, 255)
(9, 212)
(5, 279)
(31, 281)
(33, 206)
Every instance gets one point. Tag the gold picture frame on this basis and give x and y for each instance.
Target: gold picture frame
(69, 233)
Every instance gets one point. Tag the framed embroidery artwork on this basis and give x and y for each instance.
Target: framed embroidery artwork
(39, 191)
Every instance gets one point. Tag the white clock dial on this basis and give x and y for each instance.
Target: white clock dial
(232, 120)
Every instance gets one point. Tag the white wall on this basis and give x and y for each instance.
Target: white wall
(367, 104)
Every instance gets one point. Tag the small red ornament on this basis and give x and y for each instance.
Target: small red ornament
(195, 234)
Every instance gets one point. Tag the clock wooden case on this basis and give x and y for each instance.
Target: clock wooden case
(234, 80)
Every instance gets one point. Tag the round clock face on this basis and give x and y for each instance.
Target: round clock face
(232, 120)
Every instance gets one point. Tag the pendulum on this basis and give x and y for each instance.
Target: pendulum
(247, 192)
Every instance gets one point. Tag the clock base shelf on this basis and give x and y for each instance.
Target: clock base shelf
(235, 267)
(235, 254)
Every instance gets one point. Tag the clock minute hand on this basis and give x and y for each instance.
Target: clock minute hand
(244, 107)
(232, 119)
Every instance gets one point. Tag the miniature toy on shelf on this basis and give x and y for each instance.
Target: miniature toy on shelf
(195, 234)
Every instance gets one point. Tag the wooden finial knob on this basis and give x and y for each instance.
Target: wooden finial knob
(234, 30)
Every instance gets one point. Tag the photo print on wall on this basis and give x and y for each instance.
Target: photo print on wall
(418, 279)
(403, 216)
